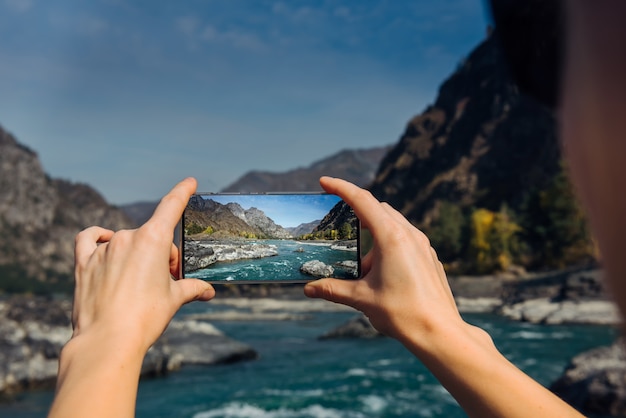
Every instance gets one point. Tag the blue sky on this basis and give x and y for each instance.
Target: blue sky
(131, 96)
(286, 210)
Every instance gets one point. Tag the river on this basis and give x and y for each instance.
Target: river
(299, 376)
(282, 267)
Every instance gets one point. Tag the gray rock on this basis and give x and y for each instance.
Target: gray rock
(477, 305)
(317, 269)
(32, 333)
(595, 381)
(574, 285)
(198, 256)
(548, 311)
(350, 266)
(33, 330)
(357, 327)
(200, 343)
(201, 254)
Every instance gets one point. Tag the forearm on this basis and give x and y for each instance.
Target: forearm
(465, 360)
(97, 378)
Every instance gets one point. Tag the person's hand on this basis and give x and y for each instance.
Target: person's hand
(403, 288)
(124, 298)
(124, 285)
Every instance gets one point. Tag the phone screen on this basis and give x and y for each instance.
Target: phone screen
(267, 238)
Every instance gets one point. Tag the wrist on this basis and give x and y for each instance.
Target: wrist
(450, 346)
(98, 376)
(98, 349)
(434, 334)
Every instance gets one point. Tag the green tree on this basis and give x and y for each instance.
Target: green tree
(194, 228)
(447, 230)
(345, 231)
(555, 226)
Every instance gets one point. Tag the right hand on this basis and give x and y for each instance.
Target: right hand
(403, 288)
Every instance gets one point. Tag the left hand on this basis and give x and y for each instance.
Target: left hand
(124, 286)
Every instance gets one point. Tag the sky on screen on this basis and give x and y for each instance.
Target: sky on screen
(285, 210)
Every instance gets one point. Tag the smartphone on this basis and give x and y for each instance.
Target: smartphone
(269, 238)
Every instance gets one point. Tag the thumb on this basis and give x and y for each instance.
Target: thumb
(193, 289)
(333, 290)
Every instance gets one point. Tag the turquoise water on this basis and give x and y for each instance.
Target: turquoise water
(298, 376)
(283, 267)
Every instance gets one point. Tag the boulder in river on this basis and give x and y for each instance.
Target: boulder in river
(33, 330)
(357, 327)
(317, 268)
(595, 381)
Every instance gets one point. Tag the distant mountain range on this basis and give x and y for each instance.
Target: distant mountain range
(358, 166)
(303, 229)
(232, 220)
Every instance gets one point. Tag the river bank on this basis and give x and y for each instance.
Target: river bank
(33, 330)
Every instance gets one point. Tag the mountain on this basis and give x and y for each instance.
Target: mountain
(305, 228)
(229, 220)
(39, 218)
(139, 212)
(358, 166)
(258, 219)
(339, 215)
(480, 171)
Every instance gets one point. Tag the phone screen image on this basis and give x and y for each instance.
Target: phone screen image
(266, 238)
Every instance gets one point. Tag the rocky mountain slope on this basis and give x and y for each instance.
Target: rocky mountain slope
(339, 216)
(480, 172)
(39, 217)
(358, 166)
(204, 215)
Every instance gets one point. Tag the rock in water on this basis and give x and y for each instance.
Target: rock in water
(595, 381)
(317, 269)
(358, 327)
(350, 266)
(33, 330)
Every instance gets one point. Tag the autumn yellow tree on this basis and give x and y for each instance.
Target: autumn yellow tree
(493, 242)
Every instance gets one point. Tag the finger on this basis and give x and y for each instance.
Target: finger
(188, 290)
(87, 241)
(175, 261)
(366, 263)
(333, 290)
(170, 209)
(365, 206)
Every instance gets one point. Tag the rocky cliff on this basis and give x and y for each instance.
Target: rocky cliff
(480, 172)
(341, 214)
(39, 217)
